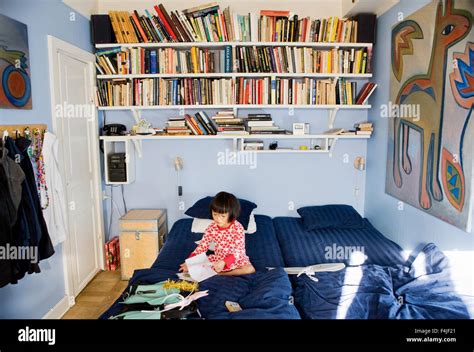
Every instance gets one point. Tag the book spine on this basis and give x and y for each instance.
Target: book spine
(165, 23)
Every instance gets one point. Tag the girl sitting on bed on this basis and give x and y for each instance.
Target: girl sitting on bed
(227, 233)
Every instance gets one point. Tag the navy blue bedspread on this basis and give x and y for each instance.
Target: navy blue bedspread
(426, 290)
(422, 290)
(262, 295)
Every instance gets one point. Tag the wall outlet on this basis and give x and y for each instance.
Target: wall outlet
(356, 191)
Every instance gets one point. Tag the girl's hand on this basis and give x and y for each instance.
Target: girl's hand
(183, 267)
(218, 266)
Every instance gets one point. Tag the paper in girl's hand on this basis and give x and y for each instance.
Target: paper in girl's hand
(200, 268)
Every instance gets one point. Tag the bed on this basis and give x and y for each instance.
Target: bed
(262, 295)
(379, 284)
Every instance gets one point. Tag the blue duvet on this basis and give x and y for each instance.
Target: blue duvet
(262, 295)
(421, 290)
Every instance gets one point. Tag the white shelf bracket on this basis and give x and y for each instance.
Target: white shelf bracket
(235, 145)
(332, 117)
(331, 145)
(138, 147)
(137, 115)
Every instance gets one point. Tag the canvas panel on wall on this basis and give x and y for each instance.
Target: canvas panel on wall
(15, 87)
(430, 151)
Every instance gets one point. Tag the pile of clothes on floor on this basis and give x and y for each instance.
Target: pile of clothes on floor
(165, 300)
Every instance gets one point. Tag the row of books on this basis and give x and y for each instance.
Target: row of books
(300, 91)
(280, 26)
(166, 60)
(158, 91)
(205, 91)
(254, 59)
(301, 60)
(208, 23)
(223, 122)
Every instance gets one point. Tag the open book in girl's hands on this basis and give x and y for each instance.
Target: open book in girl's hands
(199, 268)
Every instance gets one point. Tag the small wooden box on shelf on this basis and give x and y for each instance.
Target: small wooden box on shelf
(142, 235)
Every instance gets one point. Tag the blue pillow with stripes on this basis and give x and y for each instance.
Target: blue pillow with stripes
(330, 216)
(200, 210)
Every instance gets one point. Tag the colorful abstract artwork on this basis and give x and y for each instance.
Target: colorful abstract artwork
(15, 87)
(430, 152)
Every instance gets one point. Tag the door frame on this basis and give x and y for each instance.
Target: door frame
(56, 45)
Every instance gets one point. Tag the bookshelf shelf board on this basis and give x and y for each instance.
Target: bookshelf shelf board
(235, 75)
(291, 151)
(223, 44)
(232, 137)
(239, 106)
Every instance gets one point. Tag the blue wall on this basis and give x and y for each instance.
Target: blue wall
(411, 226)
(276, 181)
(36, 294)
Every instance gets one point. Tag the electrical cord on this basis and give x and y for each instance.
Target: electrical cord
(112, 205)
(123, 199)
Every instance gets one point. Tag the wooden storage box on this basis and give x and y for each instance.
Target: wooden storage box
(142, 234)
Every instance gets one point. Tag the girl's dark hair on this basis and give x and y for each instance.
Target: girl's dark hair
(225, 202)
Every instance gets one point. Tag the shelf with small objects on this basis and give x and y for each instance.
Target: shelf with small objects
(246, 133)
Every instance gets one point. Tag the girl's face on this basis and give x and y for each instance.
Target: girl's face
(222, 220)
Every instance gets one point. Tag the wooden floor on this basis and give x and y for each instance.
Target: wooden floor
(98, 295)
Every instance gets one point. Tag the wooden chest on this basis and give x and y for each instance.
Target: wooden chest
(142, 233)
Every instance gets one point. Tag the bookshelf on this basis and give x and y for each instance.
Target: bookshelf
(277, 63)
(227, 80)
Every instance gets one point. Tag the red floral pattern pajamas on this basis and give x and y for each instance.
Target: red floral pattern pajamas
(229, 245)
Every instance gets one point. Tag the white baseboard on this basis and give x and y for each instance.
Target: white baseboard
(59, 309)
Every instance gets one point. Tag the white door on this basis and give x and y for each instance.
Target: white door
(75, 124)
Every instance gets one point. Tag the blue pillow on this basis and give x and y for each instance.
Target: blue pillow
(200, 210)
(327, 216)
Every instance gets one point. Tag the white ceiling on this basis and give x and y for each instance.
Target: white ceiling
(313, 8)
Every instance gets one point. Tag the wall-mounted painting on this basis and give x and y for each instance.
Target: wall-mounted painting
(430, 151)
(15, 87)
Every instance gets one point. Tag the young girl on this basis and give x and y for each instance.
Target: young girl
(227, 233)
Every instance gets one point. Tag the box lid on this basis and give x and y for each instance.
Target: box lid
(143, 214)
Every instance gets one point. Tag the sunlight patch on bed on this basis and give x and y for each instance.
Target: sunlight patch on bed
(352, 279)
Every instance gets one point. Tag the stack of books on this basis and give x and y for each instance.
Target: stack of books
(227, 123)
(364, 128)
(253, 144)
(208, 23)
(262, 124)
(176, 126)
